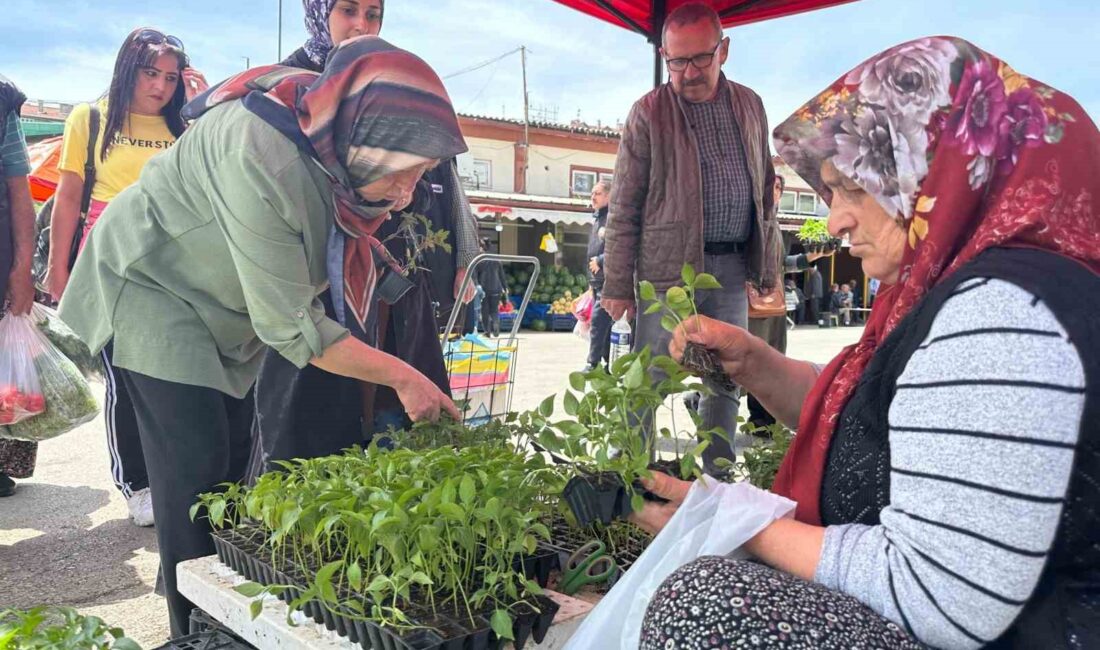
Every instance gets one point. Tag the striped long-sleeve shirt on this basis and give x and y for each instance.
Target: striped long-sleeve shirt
(982, 433)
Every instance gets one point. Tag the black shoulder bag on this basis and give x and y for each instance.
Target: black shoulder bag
(42, 221)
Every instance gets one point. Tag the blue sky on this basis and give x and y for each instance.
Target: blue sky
(65, 49)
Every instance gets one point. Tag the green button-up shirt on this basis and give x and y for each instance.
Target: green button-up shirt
(218, 250)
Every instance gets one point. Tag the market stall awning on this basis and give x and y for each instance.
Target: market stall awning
(647, 17)
(509, 206)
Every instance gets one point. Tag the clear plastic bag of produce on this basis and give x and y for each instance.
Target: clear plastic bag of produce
(20, 391)
(66, 340)
(65, 398)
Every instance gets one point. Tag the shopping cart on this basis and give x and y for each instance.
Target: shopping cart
(481, 370)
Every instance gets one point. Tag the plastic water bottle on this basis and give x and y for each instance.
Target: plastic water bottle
(620, 338)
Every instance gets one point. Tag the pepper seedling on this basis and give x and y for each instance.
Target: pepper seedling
(678, 304)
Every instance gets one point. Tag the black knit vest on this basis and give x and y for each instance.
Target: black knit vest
(1064, 609)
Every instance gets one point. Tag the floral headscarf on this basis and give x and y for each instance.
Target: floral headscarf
(375, 110)
(969, 155)
(320, 40)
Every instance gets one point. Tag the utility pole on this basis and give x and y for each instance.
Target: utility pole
(279, 56)
(526, 120)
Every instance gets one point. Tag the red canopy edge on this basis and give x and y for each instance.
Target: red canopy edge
(638, 15)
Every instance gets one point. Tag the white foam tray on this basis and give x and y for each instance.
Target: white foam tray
(209, 584)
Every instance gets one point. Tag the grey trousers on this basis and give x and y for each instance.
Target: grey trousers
(728, 304)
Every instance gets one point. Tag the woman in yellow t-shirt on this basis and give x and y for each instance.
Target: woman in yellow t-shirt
(139, 118)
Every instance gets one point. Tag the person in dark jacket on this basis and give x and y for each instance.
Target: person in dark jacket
(16, 247)
(490, 275)
(815, 292)
(599, 345)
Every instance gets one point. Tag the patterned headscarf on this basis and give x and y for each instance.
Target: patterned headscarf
(320, 40)
(374, 111)
(967, 154)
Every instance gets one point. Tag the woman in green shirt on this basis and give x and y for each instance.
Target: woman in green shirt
(223, 245)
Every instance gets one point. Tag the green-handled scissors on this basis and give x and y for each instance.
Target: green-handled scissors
(588, 565)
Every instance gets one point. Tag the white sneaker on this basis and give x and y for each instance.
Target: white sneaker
(141, 507)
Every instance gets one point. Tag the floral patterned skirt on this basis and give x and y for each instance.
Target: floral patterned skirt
(714, 602)
(17, 457)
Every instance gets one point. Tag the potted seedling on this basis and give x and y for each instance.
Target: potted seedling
(415, 232)
(815, 237)
(604, 442)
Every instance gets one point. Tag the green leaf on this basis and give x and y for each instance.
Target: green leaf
(194, 510)
(637, 503)
(634, 376)
(546, 408)
(570, 403)
(706, 281)
(255, 607)
(249, 589)
(217, 512)
(669, 322)
(577, 381)
(502, 624)
(467, 490)
(654, 308)
(126, 643)
(448, 491)
(676, 296)
(452, 511)
(688, 274)
(355, 576)
(647, 291)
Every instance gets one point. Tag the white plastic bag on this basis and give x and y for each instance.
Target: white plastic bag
(715, 519)
(583, 330)
(61, 394)
(20, 391)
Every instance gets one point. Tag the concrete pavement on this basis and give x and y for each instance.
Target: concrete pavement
(65, 537)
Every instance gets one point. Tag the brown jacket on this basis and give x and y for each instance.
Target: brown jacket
(656, 219)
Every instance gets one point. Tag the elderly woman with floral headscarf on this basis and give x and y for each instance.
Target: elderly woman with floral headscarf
(331, 22)
(946, 466)
(221, 249)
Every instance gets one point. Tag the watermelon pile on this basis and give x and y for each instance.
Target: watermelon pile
(554, 284)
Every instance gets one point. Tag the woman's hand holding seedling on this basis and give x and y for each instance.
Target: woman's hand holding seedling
(655, 516)
(732, 345)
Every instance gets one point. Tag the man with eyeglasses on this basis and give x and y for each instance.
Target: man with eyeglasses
(693, 183)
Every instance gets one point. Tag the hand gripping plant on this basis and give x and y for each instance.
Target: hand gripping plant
(678, 305)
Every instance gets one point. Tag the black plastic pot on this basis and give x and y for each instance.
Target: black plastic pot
(392, 287)
(538, 566)
(597, 497)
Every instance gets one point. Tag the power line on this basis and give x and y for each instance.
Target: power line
(478, 66)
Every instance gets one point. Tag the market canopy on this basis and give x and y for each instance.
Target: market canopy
(647, 17)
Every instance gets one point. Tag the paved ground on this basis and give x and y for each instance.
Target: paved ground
(65, 537)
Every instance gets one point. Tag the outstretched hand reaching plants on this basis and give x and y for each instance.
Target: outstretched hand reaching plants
(679, 304)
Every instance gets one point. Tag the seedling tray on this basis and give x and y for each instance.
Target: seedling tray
(212, 640)
(241, 551)
(596, 498)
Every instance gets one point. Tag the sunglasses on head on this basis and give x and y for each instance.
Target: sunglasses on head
(153, 37)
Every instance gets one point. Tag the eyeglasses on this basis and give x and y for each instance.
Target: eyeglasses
(153, 37)
(700, 61)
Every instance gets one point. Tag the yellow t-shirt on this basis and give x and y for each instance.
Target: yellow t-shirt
(140, 138)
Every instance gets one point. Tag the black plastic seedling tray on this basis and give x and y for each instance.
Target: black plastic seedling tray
(241, 552)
